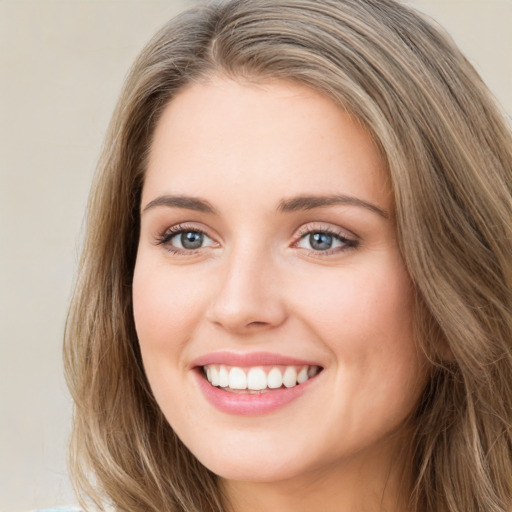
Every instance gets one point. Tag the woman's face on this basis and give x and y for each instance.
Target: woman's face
(268, 258)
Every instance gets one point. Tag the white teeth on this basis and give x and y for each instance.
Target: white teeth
(223, 377)
(257, 378)
(274, 378)
(302, 376)
(290, 377)
(214, 376)
(237, 378)
(313, 370)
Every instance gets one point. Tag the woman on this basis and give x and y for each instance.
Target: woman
(295, 292)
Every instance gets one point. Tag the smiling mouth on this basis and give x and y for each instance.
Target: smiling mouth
(258, 379)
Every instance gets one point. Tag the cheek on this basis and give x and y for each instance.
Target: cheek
(165, 305)
(365, 304)
(364, 317)
(165, 317)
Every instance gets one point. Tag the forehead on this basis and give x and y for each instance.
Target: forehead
(278, 135)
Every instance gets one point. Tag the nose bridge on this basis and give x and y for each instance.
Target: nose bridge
(247, 296)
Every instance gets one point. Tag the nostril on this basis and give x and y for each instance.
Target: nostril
(256, 324)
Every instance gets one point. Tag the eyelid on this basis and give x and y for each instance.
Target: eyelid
(325, 228)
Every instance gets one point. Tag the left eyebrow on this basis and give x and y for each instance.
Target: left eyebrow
(310, 202)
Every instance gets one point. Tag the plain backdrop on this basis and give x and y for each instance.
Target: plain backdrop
(62, 63)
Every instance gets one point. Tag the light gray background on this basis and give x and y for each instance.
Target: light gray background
(62, 63)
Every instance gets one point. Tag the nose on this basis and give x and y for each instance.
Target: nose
(248, 297)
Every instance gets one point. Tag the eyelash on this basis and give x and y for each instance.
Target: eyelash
(165, 238)
(347, 243)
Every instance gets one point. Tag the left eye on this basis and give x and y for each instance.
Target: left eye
(323, 241)
(190, 240)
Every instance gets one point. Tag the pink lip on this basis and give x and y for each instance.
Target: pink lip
(250, 404)
(247, 404)
(249, 359)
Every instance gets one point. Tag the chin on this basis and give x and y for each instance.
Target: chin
(255, 471)
(261, 458)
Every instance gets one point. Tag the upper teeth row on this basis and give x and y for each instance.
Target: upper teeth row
(258, 378)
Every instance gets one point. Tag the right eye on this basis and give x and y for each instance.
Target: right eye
(180, 239)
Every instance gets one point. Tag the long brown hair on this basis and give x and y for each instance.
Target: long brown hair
(448, 151)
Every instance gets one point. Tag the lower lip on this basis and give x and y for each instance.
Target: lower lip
(250, 404)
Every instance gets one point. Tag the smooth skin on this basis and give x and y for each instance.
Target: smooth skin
(236, 265)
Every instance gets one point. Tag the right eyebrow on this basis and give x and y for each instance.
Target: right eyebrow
(187, 202)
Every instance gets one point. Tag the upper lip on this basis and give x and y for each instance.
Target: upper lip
(250, 359)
